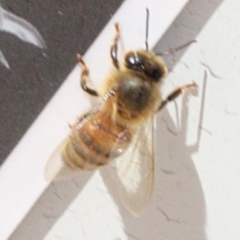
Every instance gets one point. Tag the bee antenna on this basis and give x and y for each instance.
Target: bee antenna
(147, 23)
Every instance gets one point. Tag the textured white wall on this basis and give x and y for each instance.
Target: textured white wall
(197, 189)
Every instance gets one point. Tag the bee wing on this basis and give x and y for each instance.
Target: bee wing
(56, 169)
(135, 170)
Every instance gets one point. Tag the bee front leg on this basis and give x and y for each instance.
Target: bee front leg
(114, 47)
(85, 77)
(175, 94)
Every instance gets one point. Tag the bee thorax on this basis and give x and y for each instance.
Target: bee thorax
(134, 94)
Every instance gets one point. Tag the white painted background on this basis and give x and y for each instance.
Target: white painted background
(197, 189)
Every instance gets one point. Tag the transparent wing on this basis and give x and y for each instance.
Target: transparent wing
(56, 169)
(135, 170)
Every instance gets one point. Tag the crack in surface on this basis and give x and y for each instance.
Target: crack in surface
(166, 171)
(210, 70)
(228, 112)
(168, 218)
(168, 128)
(130, 235)
(205, 130)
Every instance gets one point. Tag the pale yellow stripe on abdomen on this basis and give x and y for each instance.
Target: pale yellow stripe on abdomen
(92, 145)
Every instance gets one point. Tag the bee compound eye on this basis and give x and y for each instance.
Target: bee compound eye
(155, 74)
(134, 61)
(153, 71)
(130, 59)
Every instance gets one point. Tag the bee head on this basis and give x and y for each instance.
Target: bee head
(146, 62)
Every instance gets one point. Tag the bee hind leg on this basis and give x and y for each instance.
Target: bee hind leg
(114, 47)
(175, 94)
(85, 77)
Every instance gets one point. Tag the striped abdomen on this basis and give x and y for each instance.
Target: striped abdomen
(95, 143)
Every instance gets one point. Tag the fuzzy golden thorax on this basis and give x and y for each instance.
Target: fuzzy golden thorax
(136, 87)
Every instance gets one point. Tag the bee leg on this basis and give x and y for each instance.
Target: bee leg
(114, 47)
(175, 94)
(85, 76)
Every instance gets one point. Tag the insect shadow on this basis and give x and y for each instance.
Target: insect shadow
(177, 208)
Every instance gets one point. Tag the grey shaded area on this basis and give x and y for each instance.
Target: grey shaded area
(68, 27)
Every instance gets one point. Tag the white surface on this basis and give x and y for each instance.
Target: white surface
(21, 176)
(197, 192)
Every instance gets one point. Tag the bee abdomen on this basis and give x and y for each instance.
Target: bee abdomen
(95, 143)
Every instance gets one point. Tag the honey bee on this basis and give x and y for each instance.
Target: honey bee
(120, 128)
